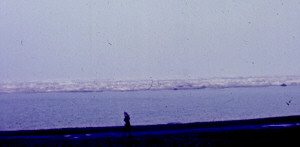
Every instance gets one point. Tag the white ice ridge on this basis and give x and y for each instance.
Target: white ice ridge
(134, 85)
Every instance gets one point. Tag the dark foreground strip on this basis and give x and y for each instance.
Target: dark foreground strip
(279, 131)
(285, 136)
(275, 121)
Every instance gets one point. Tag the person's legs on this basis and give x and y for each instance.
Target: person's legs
(129, 133)
(124, 132)
(126, 129)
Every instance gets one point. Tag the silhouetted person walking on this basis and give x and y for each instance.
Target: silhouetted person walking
(127, 126)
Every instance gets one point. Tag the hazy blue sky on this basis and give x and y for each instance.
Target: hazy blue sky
(140, 39)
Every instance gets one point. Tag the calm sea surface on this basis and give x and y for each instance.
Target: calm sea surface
(30, 111)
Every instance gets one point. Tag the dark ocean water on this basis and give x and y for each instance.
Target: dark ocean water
(32, 111)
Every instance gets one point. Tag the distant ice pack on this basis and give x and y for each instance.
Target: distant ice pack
(136, 85)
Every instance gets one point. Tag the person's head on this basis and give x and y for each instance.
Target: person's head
(126, 114)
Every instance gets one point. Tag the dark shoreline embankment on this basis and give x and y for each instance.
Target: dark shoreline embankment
(267, 131)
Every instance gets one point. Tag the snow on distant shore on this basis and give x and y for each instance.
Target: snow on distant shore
(134, 85)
